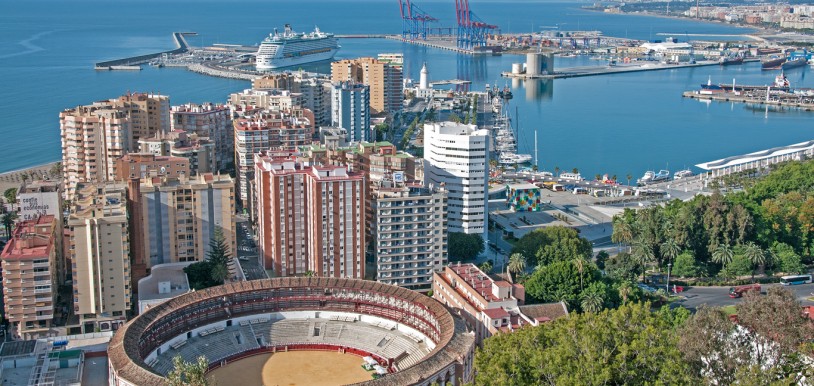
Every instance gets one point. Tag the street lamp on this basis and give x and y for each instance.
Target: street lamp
(669, 265)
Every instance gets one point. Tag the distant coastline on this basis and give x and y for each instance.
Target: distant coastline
(757, 30)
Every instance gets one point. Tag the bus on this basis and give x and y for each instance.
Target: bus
(796, 279)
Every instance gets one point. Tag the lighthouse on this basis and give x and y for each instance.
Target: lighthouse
(423, 82)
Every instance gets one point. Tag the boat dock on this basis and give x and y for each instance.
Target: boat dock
(573, 72)
(790, 100)
(134, 62)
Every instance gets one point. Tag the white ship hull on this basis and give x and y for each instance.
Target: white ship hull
(275, 63)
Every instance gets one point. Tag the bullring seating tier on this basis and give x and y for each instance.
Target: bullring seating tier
(219, 343)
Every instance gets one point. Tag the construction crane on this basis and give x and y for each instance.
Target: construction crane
(414, 21)
(472, 31)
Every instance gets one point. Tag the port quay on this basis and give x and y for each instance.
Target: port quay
(222, 60)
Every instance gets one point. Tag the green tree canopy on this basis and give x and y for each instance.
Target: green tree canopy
(581, 350)
(218, 257)
(685, 265)
(560, 281)
(551, 244)
(464, 246)
(188, 373)
(623, 266)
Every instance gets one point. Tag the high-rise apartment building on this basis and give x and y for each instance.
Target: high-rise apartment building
(207, 121)
(44, 198)
(282, 131)
(100, 255)
(310, 218)
(93, 137)
(29, 262)
(456, 156)
(314, 90)
(410, 233)
(350, 109)
(179, 218)
(149, 113)
(385, 81)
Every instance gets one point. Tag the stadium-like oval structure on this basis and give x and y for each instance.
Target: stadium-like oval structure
(415, 339)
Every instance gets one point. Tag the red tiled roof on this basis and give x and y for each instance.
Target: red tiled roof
(496, 313)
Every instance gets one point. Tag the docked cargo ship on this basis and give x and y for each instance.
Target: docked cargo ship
(291, 48)
(730, 60)
(794, 63)
(772, 63)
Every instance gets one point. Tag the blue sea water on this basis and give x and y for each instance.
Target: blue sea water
(619, 124)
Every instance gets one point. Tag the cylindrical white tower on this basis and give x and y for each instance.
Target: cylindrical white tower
(423, 83)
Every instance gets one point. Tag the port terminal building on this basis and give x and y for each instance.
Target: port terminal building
(758, 160)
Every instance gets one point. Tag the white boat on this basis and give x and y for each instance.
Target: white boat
(571, 176)
(683, 174)
(651, 177)
(291, 48)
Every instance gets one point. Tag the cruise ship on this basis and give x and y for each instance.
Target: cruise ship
(291, 48)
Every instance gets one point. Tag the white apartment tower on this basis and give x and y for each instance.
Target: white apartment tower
(456, 156)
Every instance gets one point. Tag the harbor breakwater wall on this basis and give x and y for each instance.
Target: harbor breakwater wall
(181, 47)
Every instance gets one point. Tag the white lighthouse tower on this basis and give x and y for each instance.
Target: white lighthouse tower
(423, 82)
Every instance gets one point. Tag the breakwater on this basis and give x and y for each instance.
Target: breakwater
(131, 62)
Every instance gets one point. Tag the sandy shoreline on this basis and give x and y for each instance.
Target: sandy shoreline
(14, 178)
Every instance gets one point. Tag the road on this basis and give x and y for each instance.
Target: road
(247, 252)
(719, 296)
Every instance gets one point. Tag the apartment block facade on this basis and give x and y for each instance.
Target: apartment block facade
(282, 131)
(265, 99)
(456, 156)
(93, 137)
(145, 165)
(100, 256)
(30, 266)
(385, 81)
(314, 90)
(410, 233)
(210, 121)
(179, 218)
(201, 152)
(350, 109)
(310, 218)
(149, 113)
(488, 305)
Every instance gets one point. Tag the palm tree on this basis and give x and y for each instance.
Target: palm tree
(579, 264)
(670, 249)
(486, 267)
(622, 230)
(625, 289)
(575, 170)
(755, 255)
(556, 171)
(592, 302)
(517, 263)
(9, 219)
(629, 177)
(722, 254)
(643, 253)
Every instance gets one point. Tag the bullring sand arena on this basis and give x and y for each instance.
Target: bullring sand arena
(294, 368)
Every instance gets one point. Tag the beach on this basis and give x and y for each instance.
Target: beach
(14, 179)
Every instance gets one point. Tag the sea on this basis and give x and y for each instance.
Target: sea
(616, 124)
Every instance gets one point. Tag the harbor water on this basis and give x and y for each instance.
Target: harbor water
(617, 124)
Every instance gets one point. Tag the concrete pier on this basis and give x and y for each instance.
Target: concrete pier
(792, 101)
(573, 72)
(134, 61)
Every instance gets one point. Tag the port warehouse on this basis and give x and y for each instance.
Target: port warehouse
(758, 160)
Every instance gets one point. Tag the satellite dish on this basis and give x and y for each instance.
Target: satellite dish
(163, 169)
